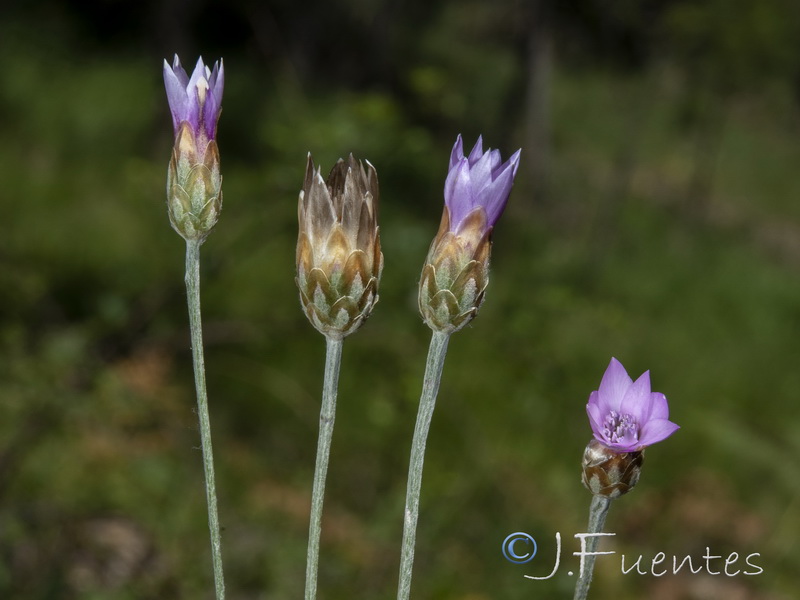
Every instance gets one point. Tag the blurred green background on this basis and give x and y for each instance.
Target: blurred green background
(656, 218)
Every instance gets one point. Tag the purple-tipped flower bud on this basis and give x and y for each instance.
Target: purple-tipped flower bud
(625, 417)
(456, 271)
(339, 259)
(194, 182)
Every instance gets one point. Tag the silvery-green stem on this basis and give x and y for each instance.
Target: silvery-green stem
(195, 324)
(427, 402)
(598, 511)
(333, 359)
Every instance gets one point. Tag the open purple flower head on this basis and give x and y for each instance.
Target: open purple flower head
(196, 100)
(479, 180)
(625, 415)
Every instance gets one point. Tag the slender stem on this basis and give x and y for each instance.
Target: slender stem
(195, 324)
(333, 360)
(427, 402)
(598, 511)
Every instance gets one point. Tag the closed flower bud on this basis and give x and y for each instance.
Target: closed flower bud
(609, 473)
(194, 182)
(339, 259)
(456, 271)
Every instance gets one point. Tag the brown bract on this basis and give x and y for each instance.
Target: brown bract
(456, 273)
(339, 259)
(609, 473)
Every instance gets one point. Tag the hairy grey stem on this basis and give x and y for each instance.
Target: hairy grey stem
(333, 359)
(195, 324)
(427, 402)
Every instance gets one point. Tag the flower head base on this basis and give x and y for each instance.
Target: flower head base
(194, 182)
(625, 415)
(456, 272)
(609, 473)
(339, 259)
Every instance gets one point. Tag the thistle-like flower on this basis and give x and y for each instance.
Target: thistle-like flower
(625, 417)
(339, 259)
(456, 271)
(194, 182)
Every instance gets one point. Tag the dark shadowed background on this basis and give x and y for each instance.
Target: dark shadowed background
(655, 218)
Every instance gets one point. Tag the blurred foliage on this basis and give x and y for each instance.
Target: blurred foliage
(670, 239)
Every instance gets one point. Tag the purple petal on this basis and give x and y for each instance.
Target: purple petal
(179, 72)
(199, 72)
(613, 386)
(483, 171)
(636, 401)
(514, 162)
(595, 415)
(656, 430)
(212, 106)
(457, 153)
(212, 75)
(495, 196)
(219, 80)
(477, 151)
(210, 115)
(659, 409)
(496, 207)
(213, 102)
(495, 160)
(176, 95)
(459, 196)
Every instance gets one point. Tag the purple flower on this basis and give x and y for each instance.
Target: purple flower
(480, 180)
(625, 415)
(196, 99)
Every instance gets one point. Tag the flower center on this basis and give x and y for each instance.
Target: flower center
(620, 429)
